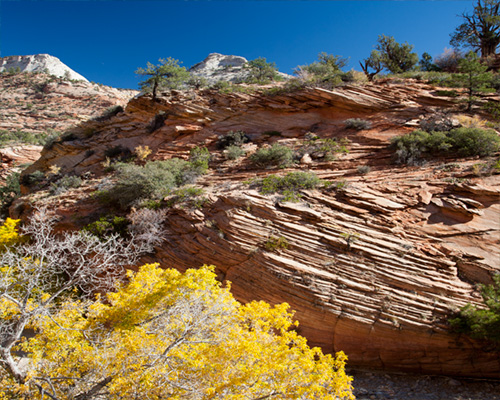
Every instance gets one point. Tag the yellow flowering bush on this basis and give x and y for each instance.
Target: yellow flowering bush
(172, 335)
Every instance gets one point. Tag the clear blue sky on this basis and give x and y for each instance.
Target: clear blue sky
(107, 40)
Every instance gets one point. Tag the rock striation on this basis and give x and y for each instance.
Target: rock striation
(375, 263)
(39, 103)
(39, 63)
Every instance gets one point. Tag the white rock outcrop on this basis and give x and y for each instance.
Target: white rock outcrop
(218, 67)
(39, 63)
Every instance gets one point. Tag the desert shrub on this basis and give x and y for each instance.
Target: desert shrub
(449, 60)
(233, 152)
(10, 191)
(322, 148)
(275, 243)
(447, 93)
(261, 72)
(109, 113)
(474, 141)
(65, 183)
(8, 138)
(363, 169)
(276, 155)
(493, 108)
(357, 123)
(481, 323)
(233, 138)
(186, 195)
(108, 225)
(290, 86)
(153, 181)
(119, 152)
(199, 158)
(411, 148)
(290, 184)
(157, 122)
(34, 178)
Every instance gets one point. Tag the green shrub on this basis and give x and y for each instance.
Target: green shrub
(153, 181)
(109, 113)
(357, 123)
(108, 225)
(474, 141)
(290, 184)
(493, 108)
(290, 86)
(236, 138)
(9, 192)
(21, 137)
(187, 195)
(481, 323)
(234, 152)
(32, 179)
(411, 148)
(276, 155)
(322, 148)
(199, 158)
(64, 184)
(447, 93)
(276, 243)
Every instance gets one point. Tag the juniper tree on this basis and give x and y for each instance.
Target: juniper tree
(480, 30)
(166, 75)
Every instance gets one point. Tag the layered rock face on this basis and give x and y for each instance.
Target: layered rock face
(38, 102)
(39, 63)
(375, 263)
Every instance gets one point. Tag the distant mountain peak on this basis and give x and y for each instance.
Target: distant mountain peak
(39, 63)
(219, 67)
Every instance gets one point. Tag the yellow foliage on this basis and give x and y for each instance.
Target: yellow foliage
(172, 335)
(142, 152)
(8, 233)
(471, 122)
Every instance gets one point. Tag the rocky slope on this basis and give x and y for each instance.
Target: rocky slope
(375, 263)
(38, 102)
(39, 63)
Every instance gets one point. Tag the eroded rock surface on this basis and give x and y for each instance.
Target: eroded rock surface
(374, 264)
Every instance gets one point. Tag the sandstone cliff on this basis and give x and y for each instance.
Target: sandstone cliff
(39, 63)
(424, 235)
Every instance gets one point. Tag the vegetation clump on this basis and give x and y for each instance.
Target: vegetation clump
(233, 138)
(324, 149)
(290, 184)
(277, 155)
(153, 181)
(358, 124)
(261, 72)
(466, 142)
(275, 243)
(184, 330)
(482, 323)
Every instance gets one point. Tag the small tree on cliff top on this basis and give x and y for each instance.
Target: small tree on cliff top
(166, 75)
(480, 30)
(396, 57)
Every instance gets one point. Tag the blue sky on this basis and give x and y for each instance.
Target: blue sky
(107, 40)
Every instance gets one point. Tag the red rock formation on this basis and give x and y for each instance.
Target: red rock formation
(420, 236)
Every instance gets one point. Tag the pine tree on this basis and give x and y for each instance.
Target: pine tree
(168, 75)
(473, 76)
